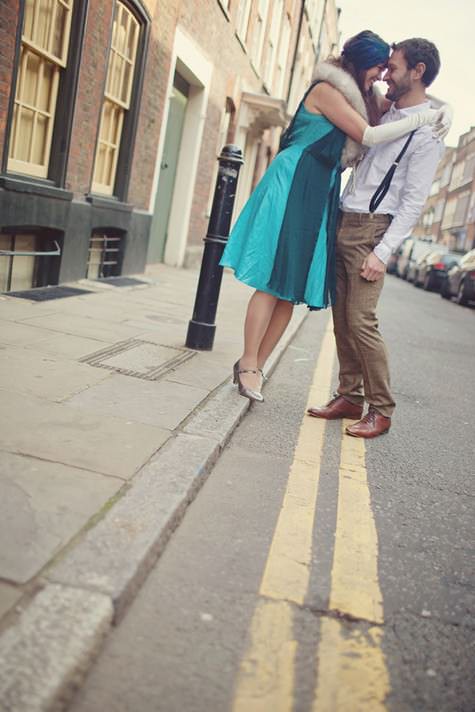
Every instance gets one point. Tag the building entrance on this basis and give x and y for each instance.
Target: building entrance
(168, 168)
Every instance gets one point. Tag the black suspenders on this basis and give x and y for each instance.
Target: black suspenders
(383, 187)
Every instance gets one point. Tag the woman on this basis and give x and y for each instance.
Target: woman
(283, 241)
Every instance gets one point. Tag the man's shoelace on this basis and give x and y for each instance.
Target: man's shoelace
(369, 417)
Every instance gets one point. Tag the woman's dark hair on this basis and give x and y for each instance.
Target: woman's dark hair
(419, 50)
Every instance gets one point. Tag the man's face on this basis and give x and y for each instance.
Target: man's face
(398, 77)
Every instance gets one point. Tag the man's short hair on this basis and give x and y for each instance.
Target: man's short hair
(419, 50)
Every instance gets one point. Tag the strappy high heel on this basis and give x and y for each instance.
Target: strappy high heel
(243, 390)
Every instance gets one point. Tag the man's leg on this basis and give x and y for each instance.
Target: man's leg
(360, 235)
(350, 384)
(363, 325)
(348, 402)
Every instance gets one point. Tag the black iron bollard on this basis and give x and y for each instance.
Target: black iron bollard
(201, 328)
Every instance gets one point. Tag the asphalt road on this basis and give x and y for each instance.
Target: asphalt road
(377, 612)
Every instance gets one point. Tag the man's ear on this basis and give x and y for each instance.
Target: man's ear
(419, 70)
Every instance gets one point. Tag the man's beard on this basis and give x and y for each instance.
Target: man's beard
(398, 90)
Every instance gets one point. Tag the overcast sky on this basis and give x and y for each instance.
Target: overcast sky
(449, 24)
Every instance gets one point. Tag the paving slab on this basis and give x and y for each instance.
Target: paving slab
(12, 309)
(83, 326)
(46, 654)
(66, 346)
(200, 373)
(43, 505)
(166, 334)
(99, 307)
(31, 373)
(19, 334)
(58, 433)
(163, 404)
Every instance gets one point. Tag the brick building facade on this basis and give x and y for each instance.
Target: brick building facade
(428, 226)
(457, 229)
(112, 114)
(449, 214)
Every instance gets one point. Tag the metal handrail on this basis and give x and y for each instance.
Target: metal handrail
(20, 253)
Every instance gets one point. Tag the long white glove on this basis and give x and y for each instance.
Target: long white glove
(375, 135)
(445, 116)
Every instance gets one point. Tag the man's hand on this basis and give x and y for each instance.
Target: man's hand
(373, 268)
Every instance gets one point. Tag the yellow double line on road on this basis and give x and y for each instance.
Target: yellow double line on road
(351, 671)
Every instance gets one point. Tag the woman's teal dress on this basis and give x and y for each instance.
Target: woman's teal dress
(283, 242)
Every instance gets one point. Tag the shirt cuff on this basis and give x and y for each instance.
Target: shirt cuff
(383, 252)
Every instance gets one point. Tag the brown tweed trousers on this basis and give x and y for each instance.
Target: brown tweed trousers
(364, 369)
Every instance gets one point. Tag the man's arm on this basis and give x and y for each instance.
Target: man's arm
(420, 174)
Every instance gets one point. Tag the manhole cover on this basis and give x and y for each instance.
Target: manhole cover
(47, 293)
(140, 359)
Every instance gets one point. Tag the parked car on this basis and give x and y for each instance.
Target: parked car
(412, 250)
(432, 270)
(460, 280)
(391, 267)
(414, 266)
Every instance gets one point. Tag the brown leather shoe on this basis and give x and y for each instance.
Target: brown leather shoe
(337, 408)
(372, 425)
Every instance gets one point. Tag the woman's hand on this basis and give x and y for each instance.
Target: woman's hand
(444, 118)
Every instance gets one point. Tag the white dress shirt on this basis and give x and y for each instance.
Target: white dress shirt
(410, 185)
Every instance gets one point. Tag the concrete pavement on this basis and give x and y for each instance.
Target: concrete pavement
(108, 427)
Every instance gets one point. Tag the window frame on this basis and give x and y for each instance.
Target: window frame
(256, 48)
(125, 154)
(65, 100)
(243, 16)
(45, 268)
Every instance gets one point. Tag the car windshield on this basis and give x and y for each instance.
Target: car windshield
(450, 258)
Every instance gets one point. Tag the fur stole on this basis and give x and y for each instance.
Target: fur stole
(344, 82)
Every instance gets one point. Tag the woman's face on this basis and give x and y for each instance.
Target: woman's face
(373, 74)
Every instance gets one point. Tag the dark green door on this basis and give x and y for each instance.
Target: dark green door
(168, 167)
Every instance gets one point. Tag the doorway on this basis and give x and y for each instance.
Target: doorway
(168, 168)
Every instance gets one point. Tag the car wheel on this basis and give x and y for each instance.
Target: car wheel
(461, 296)
(444, 290)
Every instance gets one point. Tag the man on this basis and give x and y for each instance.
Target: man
(365, 241)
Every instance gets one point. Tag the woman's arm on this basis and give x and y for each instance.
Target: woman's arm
(325, 99)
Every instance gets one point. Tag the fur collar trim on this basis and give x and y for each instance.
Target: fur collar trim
(344, 82)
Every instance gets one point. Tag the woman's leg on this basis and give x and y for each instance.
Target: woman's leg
(259, 314)
(280, 318)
